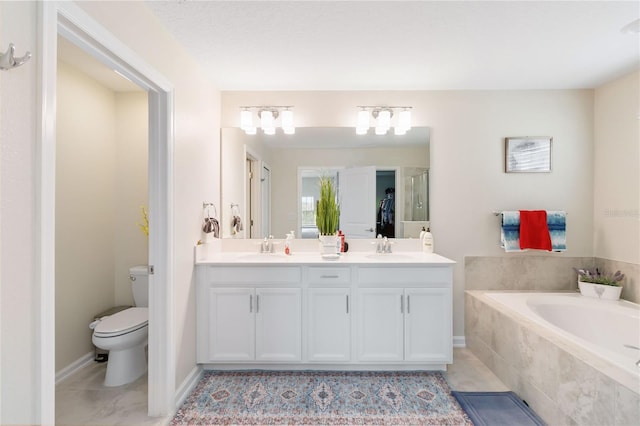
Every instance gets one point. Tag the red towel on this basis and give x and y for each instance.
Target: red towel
(534, 232)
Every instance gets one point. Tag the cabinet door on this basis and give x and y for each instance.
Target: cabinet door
(278, 324)
(231, 324)
(329, 324)
(380, 324)
(428, 334)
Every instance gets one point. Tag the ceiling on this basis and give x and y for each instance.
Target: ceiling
(405, 45)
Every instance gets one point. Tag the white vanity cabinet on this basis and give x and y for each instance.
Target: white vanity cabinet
(328, 314)
(239, 323)
(305, 313)
(404, 314)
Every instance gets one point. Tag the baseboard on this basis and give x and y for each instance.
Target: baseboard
(187, 385)
(76, 365)
(459, 342)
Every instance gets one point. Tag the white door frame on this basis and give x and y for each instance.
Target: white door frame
(70, 21)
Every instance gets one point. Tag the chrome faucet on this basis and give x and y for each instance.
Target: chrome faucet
(633, 347)
(267, 245)
(379, 244)
(386, 245)
(383, 245)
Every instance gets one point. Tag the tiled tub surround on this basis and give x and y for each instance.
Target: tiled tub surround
(563, 382)
(544, 272)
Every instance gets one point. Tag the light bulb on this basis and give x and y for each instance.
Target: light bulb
(404, 119)
(266, 120)
(246, 119)
(384, 118)
(287, 118)
(363, 119)
(251, 130)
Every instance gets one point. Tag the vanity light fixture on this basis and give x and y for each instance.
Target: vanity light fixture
(267, 116)
(383, 116)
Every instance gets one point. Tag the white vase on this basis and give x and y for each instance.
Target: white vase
(328, 244)
(600, 291)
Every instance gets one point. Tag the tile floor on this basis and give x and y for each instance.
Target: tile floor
(83, 400)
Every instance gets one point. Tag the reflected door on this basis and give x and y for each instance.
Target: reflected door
(356, 193)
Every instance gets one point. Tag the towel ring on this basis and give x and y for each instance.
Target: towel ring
(207, 210)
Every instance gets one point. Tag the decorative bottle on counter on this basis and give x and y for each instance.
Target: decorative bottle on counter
(427, 241)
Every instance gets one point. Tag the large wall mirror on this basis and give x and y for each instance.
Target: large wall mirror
(269, 183)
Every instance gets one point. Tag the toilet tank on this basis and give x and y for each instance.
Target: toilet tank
(139, 276)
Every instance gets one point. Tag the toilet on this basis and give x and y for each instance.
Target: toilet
(124, 334)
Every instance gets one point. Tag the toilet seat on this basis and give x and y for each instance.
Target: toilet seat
(123, 322)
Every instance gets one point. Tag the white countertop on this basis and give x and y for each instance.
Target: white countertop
(208, 257)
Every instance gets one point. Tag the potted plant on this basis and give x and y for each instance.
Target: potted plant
(596, 283)
(327, 215)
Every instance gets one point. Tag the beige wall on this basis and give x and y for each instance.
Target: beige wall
(85, 199)
(467, 159)
(131, 189)
(616, 212)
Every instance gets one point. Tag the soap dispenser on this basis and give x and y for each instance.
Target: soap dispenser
(427, 242)
(288, 242)
(422, 234)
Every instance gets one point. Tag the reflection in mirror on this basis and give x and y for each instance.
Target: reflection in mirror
(292, 163)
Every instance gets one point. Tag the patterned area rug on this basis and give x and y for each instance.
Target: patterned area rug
(321, 398)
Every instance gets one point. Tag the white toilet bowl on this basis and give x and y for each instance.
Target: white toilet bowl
(124, 335)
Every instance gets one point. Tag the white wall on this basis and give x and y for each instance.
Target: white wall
(19, 305)
(616, 210)
(196, 180)
(467, 159)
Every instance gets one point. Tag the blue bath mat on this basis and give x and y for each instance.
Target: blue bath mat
(497, 408)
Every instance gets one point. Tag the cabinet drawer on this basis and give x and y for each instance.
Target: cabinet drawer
(322, 275)
(254, 274)
(435, 275)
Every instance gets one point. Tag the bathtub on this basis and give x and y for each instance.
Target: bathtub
(609, 329)
(561, 352)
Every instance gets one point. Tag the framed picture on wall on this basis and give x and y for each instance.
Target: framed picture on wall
(527, 154)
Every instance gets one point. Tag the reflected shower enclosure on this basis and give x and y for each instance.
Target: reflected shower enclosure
(416, 184)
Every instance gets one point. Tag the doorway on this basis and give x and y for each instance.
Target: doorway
(69, 21)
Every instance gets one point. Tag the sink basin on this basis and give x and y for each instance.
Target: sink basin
(390, 256)
(265, 257)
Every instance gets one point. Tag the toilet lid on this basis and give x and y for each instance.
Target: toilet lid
(122, 322)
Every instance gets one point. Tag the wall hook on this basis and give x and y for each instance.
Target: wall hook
(9, 61)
